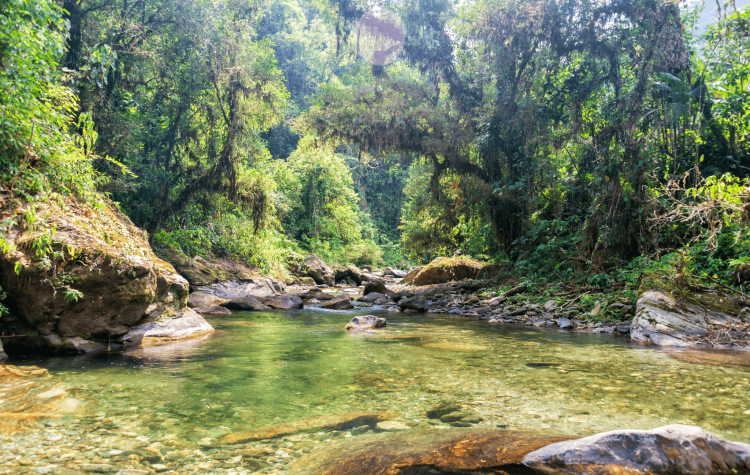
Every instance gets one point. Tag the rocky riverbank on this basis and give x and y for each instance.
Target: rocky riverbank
(80, 277)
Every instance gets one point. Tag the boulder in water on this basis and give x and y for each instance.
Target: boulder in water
(314, 267)
(204, 299)
(282, 302)
(342, 302)
(376, 286)
(184, 325)
(371, 297)
(417, 303)
(365, 322)
(316, 294)
(674, 449)
(246, 303)
(399, 274)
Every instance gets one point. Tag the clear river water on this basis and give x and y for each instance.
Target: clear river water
(265, 368)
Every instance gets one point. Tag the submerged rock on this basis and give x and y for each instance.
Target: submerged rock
(410, 452)
(365, 322)
(343, 420)
(342, 302)
(442, 409)
(674, 449)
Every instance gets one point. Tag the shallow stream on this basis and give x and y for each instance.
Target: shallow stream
(266, 368)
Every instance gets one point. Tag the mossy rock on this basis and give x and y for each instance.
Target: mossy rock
(447, 269)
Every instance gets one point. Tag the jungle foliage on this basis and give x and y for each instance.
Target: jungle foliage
(564, 137)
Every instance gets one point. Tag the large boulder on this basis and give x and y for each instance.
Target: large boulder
(201, 272)
(316, 294)
(377, 286)
(411, 275)
(674, 449)
(418, 303)
(184, 325)
(447, 269)
(83, 274)
(365, 322)
(204, 299)
(256, 287)
(342, 302)
(665, 316)
(245, 303)
(282, 302)
(347, 274)
(314, 267)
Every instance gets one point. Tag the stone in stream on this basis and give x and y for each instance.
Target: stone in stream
(204, 299)
(342, 302)
(314, 267)
(371, 297)
(187, 324)
(316, 294)
(245, 303)
(343, 420)
(564, 323)
(216, 311)
(417, 303)
(365, 322)
(674, 449)
(442, 409)
(425, 451)
(462, 416)
(376, 286)
(282, 302)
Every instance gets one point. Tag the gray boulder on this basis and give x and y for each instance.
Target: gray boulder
(314, 267)
(316, 294)
(233, 290)
(564, 323)
(662, 320)
(674, 449)
(376, 286)
(371, 297)
(246, 303)
(204, 299)
(342, 302)
(365, 322)
(282, 302)
(417, 303)
(186, 324)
